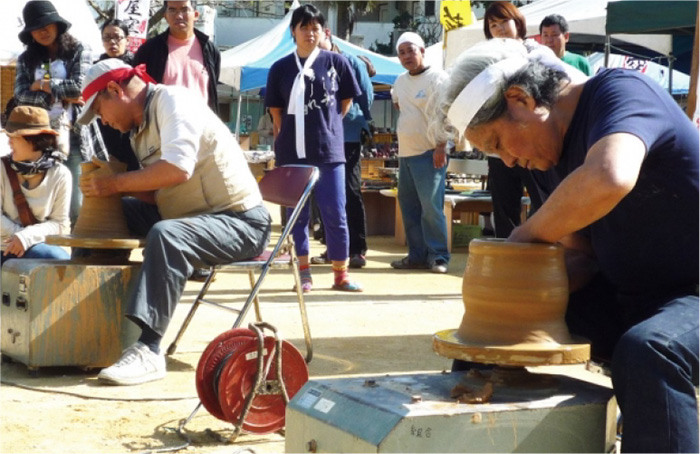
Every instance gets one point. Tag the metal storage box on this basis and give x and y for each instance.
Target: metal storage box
(58, 313)
(414, 413)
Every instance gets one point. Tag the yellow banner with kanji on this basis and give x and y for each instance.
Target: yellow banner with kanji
(455, 14)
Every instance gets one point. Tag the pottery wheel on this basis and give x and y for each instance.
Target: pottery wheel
(95, 242)
(446, 343)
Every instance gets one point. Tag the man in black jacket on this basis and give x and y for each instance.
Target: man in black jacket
(182, 55)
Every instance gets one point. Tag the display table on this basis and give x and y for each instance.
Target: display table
(379, 213)
(467, 207)
(453, 204)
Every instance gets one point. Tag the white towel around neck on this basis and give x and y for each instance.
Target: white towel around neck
(296, 99)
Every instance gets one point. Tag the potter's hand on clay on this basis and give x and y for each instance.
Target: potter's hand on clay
(100, 182)
(522, 234)
(13, 246)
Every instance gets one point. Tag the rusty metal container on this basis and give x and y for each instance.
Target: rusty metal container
(58, 313)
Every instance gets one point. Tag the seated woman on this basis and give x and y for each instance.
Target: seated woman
(35, 188)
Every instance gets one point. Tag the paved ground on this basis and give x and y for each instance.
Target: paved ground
(386, 329)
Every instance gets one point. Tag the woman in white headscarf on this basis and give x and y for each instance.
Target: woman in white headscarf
(617, 162)
(504, 20)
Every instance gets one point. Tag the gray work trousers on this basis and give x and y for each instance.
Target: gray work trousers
(175, 247)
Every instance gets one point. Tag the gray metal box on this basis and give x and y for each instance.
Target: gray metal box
(346, 415)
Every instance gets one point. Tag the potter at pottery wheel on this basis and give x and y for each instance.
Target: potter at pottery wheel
(515, 297)
(101, 223)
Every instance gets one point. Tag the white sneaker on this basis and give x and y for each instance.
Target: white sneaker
(439, 267)
(137, 365)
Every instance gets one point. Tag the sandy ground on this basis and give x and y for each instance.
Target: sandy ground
(386, 329)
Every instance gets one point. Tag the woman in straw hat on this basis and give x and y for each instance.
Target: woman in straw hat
(42, 183)
(49, 74)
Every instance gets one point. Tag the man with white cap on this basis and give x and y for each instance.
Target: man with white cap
(617, 162)
(195, 198)
(422, 161)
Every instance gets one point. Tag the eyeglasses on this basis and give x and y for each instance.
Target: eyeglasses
(115, 38)
(186, 10)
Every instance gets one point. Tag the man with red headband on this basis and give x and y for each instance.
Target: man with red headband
(195, 198)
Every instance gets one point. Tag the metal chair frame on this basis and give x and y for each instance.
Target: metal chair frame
(288, 186)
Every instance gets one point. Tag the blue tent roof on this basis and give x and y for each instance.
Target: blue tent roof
(243, 68)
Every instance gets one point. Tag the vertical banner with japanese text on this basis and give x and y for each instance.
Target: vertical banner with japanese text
(135, 14)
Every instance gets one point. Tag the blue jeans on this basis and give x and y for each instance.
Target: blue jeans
(654, 374)
(329, 194)
(175, 247)
(422, 198)
(40, 251)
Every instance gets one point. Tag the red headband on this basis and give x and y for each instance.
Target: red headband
(116, 75)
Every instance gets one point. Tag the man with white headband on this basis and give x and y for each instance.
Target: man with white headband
(617, 161)
(422, 161)
(195, 198)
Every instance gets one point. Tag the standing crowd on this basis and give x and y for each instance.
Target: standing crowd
(609, 161)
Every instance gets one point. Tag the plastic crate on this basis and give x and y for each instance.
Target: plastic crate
(462, 234)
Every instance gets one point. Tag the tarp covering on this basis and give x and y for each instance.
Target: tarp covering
(78, 13)
(667, 17)
(245, 66)
(586, 20)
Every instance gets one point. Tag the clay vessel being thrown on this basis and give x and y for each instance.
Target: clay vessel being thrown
(514, 294)
(101, 217)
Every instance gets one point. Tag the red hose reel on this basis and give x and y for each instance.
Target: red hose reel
(247, 379)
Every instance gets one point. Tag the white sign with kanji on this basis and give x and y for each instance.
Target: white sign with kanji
(135, 13)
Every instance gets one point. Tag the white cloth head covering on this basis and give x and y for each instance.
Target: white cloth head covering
(410, 37)
(473, 97)
(481, 89)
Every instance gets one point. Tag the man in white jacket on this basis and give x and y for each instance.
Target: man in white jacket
(422, 161)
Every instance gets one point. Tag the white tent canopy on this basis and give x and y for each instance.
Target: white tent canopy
(586, 18)
(78, 13)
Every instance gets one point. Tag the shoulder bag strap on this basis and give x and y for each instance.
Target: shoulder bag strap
(25, 213)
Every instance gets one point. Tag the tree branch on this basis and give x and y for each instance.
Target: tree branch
(100, 12)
